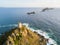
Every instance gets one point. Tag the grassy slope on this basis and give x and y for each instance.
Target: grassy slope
(24, 36)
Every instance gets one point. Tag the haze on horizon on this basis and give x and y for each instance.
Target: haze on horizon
(30, 3)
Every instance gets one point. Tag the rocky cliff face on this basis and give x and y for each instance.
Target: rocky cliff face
(23, 36)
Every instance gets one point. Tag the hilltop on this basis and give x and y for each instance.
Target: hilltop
(21, 35)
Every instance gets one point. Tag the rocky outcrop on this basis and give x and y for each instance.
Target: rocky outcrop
(23, 36)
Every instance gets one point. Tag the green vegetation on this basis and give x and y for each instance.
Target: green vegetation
(22, 36)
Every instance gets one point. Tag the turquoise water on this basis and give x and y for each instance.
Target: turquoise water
(48, 21)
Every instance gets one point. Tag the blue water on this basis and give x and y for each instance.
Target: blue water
(48, 21)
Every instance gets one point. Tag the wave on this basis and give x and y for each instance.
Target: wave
(45, 34)
(15, 25)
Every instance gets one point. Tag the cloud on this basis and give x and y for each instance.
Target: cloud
(30, 3)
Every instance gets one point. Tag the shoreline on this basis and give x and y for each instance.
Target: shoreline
(45, 34)
(42, 33)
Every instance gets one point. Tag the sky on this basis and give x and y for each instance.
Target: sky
(30, 3)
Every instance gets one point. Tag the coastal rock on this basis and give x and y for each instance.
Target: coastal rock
(23, 36)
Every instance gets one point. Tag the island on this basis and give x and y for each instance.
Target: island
(45, 9)
(29, 13)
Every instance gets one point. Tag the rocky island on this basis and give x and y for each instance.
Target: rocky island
(29, 13)
(21, 35)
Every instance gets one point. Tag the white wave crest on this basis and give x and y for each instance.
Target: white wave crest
(8, 25)
(45, 34)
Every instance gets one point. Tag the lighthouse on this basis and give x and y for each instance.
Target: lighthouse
(20, 25)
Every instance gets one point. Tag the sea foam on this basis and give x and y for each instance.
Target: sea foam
(45, 34)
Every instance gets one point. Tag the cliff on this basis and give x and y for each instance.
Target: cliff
(23, 36)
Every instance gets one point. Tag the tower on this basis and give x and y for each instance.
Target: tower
(20, 25)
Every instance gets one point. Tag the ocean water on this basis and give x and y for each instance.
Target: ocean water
(48, 21)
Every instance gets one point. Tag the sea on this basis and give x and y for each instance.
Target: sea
(47, 21)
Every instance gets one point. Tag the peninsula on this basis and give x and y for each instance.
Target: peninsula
(21, 35)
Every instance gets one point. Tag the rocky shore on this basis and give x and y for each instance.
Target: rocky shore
(21, 35)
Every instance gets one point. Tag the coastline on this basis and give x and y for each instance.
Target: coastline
(45, 34)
